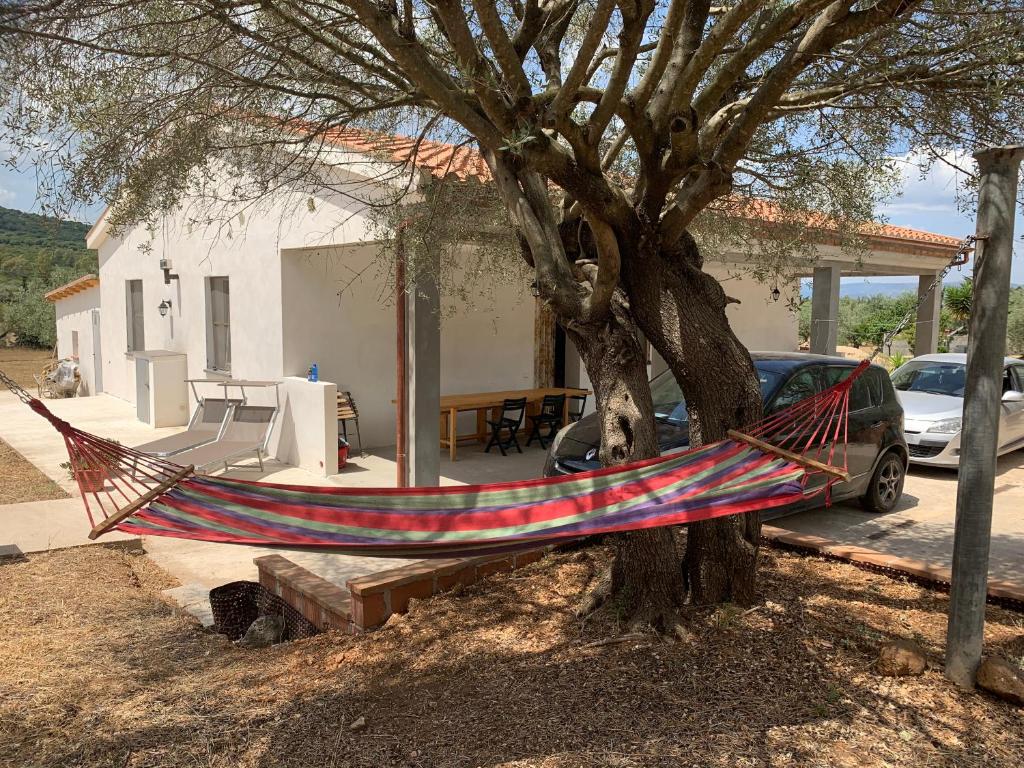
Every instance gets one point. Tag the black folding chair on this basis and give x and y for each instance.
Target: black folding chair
(511, 419)
(550, 416)
(577, 404)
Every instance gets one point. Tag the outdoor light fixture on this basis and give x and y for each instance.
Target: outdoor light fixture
(776, 293)
(535, 289)
(164, 307)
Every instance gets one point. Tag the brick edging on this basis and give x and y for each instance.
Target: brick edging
(370, 600)
(999, 591)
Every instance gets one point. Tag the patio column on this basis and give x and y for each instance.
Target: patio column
(423, 373)
(926, 332)
(825, 310)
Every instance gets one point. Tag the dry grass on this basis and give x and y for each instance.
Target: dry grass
(20, 480)
(98, 671)
(21, 362)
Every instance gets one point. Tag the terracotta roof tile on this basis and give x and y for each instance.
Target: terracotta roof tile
(437, 158)
(70, 289)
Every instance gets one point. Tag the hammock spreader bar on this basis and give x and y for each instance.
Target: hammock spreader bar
(768, 464)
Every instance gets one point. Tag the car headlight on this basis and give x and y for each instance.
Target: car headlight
(946, 426)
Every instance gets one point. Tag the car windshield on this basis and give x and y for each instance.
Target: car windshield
(936, 378)
(670, 407)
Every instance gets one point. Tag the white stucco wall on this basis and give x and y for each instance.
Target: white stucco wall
(305, 435)
(246, 249)
(75, 315)
(338, 311)
(760, 323)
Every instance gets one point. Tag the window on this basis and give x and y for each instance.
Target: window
(1016, 377)
(864, 392)
(134, 316)
(798, 388)
(937, 378)
(74, 345)
(218, 324)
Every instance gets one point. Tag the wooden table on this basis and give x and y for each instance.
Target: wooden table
(482, 402)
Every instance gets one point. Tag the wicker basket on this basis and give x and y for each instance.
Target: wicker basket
(238, 604)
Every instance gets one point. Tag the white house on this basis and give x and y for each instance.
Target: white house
(266, 295)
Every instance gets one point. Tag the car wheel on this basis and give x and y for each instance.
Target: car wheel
(886, 485)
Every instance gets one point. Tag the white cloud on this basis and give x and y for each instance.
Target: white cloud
(929, 188)
(6, 196)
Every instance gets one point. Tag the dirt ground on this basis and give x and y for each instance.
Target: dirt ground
(99, 671)
(21, 481)
(21, 362)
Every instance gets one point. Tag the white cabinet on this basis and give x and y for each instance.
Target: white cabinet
(161, 394)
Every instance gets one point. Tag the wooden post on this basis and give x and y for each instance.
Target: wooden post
(543, 345)
(402, 405)
(997, 200)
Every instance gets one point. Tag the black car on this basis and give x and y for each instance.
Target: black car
(876, 451)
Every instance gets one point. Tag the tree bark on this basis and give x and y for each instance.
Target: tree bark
(681, 310)
(646, 581)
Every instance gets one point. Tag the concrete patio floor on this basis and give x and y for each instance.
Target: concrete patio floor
(199, 566)
(921, 526)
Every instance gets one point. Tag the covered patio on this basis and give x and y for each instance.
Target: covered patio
(894, 252)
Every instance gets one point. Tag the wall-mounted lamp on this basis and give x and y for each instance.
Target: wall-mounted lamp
(165, 265)
(164, 307)
(776, 293)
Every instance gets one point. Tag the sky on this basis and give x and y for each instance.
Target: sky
(928, 202)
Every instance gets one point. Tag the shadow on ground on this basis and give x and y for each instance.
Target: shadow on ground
(101, 672)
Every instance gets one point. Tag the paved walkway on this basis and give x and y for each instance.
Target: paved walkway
(922, 525)
(37, 526)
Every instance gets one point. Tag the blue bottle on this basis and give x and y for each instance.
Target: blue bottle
(314, 373)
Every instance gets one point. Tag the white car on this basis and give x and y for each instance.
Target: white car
(931, 390)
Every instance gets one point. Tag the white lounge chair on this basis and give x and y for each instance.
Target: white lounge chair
(205, 426)
(247, 431)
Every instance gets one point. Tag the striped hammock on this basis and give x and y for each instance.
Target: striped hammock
(767, 465)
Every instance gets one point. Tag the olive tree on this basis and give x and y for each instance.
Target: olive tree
(611, 130)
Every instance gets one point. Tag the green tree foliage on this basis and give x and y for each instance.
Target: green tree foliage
(957, 299)
(865, 320)
(37, 254)
(1015, 323)
(29, 315)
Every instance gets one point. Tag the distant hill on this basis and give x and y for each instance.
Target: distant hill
(32, 247)
(861, 290)
(21, 228)
(37, 253)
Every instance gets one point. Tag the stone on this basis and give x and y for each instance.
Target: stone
(900, 658)
(1002, 678)
(358, 724)
(263, 633)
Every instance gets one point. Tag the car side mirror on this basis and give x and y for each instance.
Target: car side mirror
(1013, 396)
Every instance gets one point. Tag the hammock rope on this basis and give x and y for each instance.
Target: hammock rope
(769, 464)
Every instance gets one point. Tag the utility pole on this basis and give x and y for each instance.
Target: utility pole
(997, 201)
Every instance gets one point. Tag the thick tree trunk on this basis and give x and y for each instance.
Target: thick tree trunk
(646, 581)
(681, 310)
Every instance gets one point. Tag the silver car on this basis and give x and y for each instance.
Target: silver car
(931, 390)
